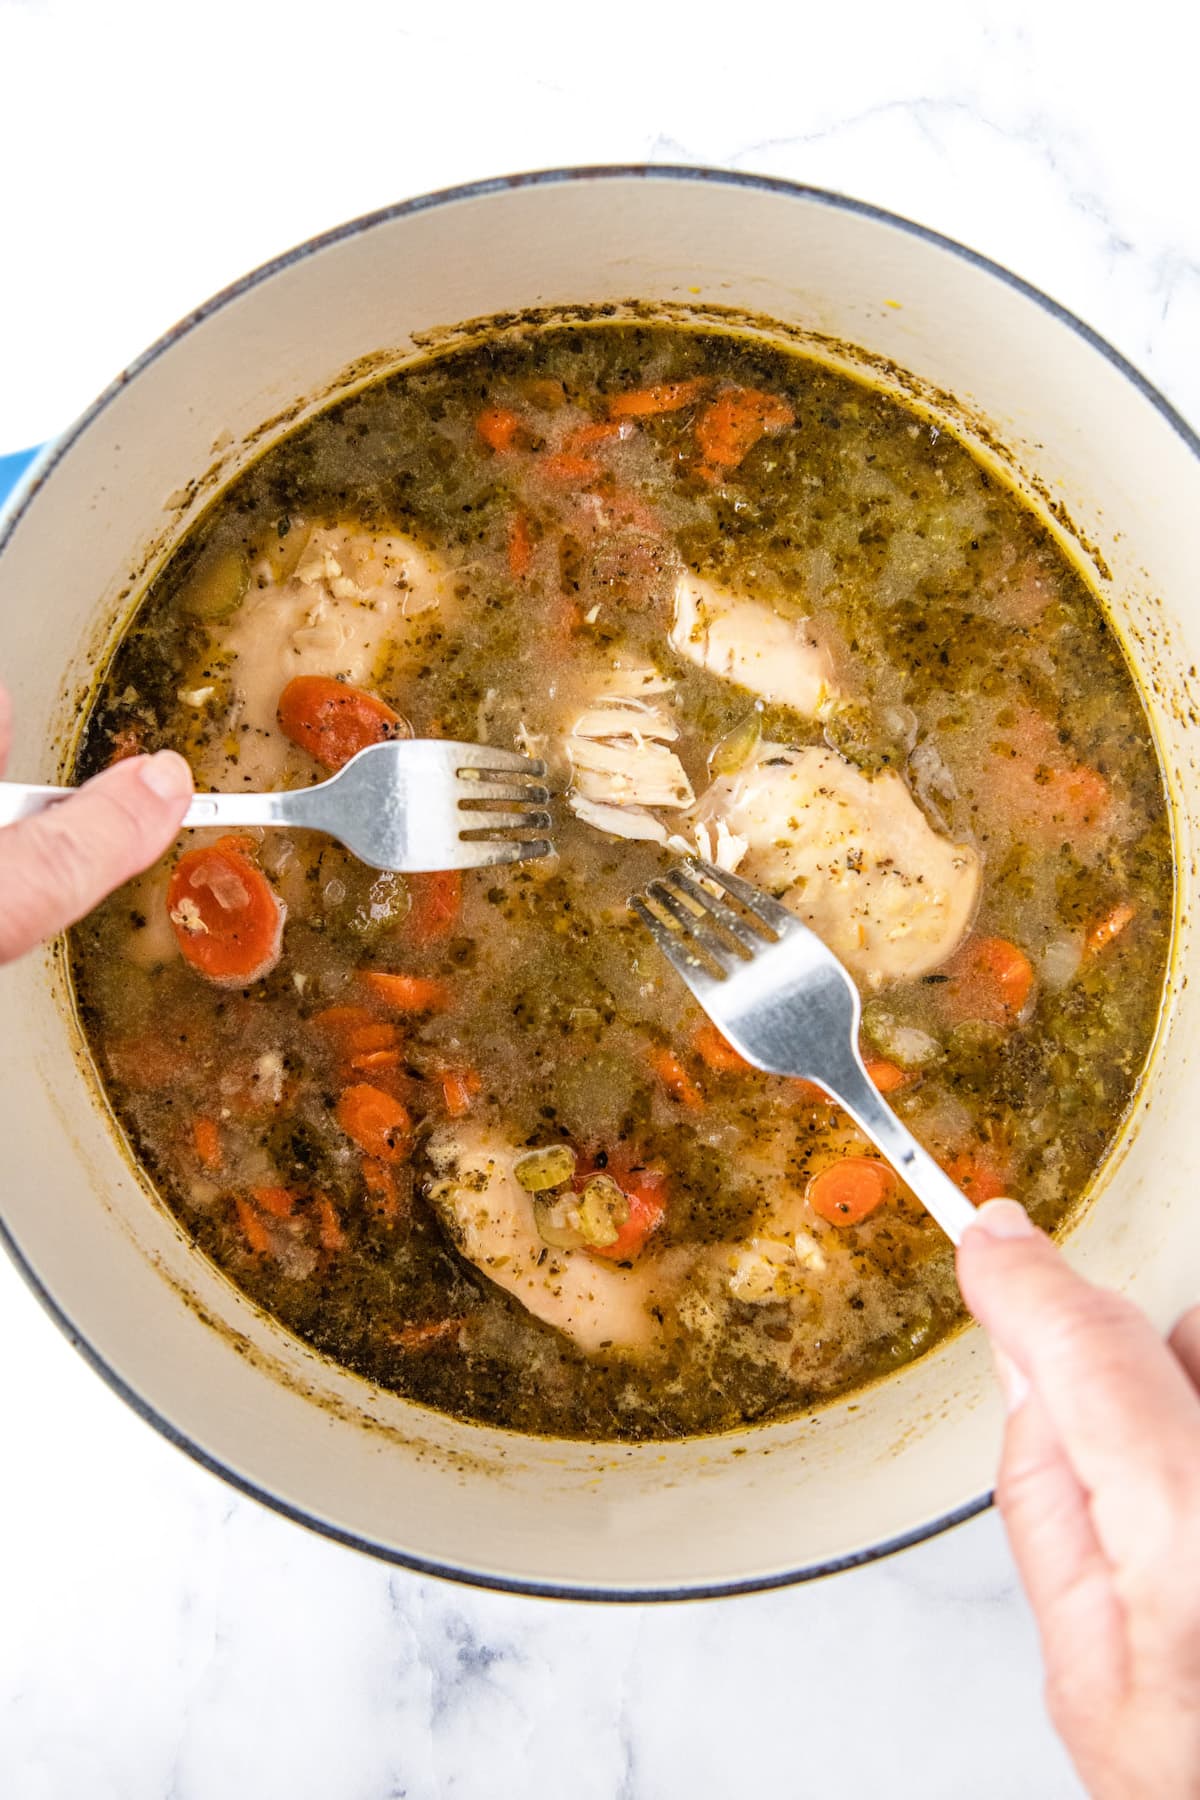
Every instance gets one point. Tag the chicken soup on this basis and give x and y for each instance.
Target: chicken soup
(470, 1136)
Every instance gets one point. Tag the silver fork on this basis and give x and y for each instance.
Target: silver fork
(786, 1003)
(411, 805)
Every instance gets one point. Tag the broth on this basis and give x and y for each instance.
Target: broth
(734, 599)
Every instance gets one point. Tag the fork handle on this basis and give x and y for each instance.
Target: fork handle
(243, 809)
(857, 1094)
(20, 800)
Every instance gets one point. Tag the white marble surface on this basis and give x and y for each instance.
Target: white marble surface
(159, 1635)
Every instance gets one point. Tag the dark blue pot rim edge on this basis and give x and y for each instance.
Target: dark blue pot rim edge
(42, 466)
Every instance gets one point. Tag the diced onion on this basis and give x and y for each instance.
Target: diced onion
(1059, 962)
(906, 1045)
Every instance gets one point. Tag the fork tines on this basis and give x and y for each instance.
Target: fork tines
(692, 925)
(503, 793)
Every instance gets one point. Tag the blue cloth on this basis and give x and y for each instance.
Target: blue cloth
(11, 469)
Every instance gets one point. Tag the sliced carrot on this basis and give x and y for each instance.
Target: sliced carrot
(339, 1022)
(520, 546)
(254, 1228)
(1084, 792)
(378, 1122)
(645, 1190)
(498, 426)
(361, 1040)
(979, 1175)
(330, 1235)
(129, 741)
(206, 1141)
(569, 470)
(334, 721)
(675, 1078)
(228, 919)
(715, 1049)
(569, 620)
(809, 1094)
(436, 904)
(1031, 775)
(1109, 927)
(424, 1337)
(887, 1077)
(365, 1040)
(850, 1190)
(601, 431)
(408, 993)
(989, 979)
(380, 1183)
(377, 1059)
(662, 397)
(459, 1088)
(730, 426)
(280, 1202)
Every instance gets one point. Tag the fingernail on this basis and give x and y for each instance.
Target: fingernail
(1003, 1219)
(167, 775)
(1014, 1385)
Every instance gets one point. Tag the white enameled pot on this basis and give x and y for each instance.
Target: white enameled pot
(1040, 395)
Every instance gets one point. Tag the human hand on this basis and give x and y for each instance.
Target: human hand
(1099, 1489)
(57, 865)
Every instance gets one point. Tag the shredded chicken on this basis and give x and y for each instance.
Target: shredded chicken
(631, 822)
(764, 1270)
(717, 844)
(490, 1218)
(352, 595)
(626, 716)
(851, 854)
(628, 771)
(621, 760)
(747, 642)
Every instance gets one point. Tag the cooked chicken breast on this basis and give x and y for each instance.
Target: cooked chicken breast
(630, 822)
(155, 942)
(747, 642)
(490, 1218)
(621, 760)
(352, 595)
(628, 771)
(626, 716)
(851, 854)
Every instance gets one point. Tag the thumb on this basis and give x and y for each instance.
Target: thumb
(59, 864)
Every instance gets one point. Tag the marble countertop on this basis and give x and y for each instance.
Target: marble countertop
(160, 1635)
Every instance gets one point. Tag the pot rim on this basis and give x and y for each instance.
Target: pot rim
(43, 465)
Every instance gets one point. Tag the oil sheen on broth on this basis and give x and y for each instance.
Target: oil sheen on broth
(737, 601)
